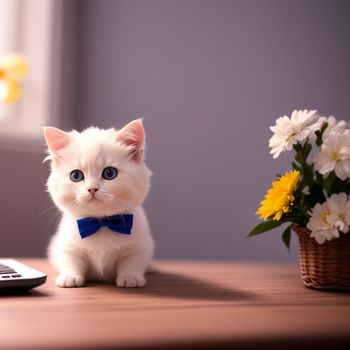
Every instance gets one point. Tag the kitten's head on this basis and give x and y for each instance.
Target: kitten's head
(98, 172)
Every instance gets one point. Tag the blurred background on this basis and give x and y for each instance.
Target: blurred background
(208, 76)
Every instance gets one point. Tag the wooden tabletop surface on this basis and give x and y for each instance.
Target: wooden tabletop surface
(185, 305)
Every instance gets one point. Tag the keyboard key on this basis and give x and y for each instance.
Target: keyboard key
(16, 275)
(6, 276)
(7, 271)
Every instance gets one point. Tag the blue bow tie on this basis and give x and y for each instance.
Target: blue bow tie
(121, 223)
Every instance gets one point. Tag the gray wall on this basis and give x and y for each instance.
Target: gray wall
(209, 77)
(27, 215)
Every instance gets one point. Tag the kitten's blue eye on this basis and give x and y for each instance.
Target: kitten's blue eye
(109, 173)
(77, 175)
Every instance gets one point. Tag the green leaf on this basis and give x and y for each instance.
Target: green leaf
(319, 134)
(296, 167)
(299, 158)
(328, 183)
(264, 226)
(319, 179)
(316, 195)
(297, 147)
(307, 150)
(338, 186)
(286, 235)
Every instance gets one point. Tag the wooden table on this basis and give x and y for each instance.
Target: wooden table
(186, 305)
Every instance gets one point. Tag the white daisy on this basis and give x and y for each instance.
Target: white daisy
(289, 131)
(319, 226)
(339, 207)
(333, 125)
(334, 155)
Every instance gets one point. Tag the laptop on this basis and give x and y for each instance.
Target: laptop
(15, 276)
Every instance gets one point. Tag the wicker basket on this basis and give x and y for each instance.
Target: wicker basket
(325, 266)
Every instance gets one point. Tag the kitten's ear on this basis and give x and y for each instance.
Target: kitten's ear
(56, 139)
(133, 134)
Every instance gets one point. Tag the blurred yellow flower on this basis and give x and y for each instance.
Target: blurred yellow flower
(10, 90)
(13, 68)
(280, 197)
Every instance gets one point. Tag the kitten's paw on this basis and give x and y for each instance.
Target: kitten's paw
(131, 281)
(70, 281)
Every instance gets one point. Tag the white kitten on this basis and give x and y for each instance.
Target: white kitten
(99, 173)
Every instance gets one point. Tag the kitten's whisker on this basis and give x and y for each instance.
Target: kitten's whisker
(54, 217)
(58, 212)
(47, 209)
(83, 194)
(122, 217)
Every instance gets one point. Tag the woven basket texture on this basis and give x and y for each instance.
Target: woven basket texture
(324, 266)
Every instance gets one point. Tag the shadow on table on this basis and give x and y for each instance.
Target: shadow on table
(32, 293)
(175, 285)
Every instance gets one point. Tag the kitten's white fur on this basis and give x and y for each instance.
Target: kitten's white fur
(105, 256)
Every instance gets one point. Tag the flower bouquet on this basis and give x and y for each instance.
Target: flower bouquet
(13, 68)
(313, 197)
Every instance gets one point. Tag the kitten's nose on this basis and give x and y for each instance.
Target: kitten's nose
(92, 190)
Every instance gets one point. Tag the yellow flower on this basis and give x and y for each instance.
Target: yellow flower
(280, 197)
(13, 68)
(10, 90)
